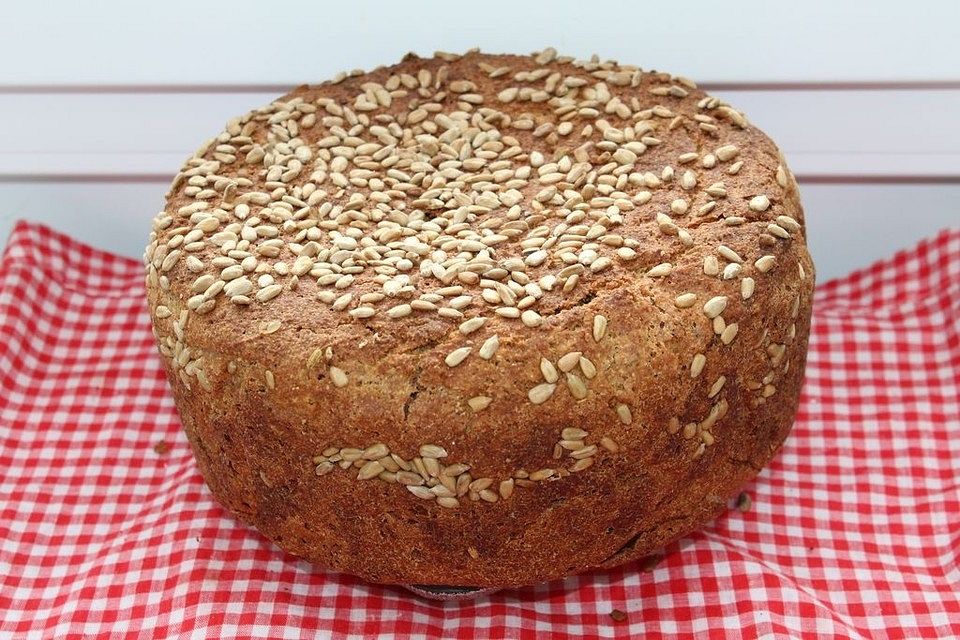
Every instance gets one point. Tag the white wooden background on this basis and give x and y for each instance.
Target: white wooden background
(101, 100)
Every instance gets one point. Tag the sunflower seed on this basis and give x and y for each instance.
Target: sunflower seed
(729, 333)
(469, 326)
(588, 369)
(457, 356)
(479, 403)
(788, 223)
(489, 347)
(541, 393)
(711, 266)
(696, 367)
(764, 263)
(577, 388)
(609, 444)
(421, 492)
(573, 433)
(729, 254)
(715, 306)
(454, 470)
(399, 311)
(659, 271)
(531, 318)
(268, 293)
(727, 152)
(370, 470)
(685, 300)
(432, 451)
(760, 203)
(781, 174)
(599, 327)
(569, 361)
(717, 386)
(731, 271)
(409, 478)
(542, 474)
(719, 324)
(778, 231)
(549, 371)
(350, 454)
(375, 452)
(582, 464)
(270, 327)
(585, 452)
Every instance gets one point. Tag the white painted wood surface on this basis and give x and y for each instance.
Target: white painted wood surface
(837, 133)
(101, 100)
(293, 41)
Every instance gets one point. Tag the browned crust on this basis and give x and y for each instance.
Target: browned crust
(254, 444)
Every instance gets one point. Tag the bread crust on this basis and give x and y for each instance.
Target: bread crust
(258, 383)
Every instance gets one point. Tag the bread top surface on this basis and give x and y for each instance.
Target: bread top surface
(460, 192)
(479, 252)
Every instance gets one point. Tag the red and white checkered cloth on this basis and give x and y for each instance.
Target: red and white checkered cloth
(854, 530)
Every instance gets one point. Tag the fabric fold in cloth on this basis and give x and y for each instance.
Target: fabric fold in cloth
(107, 530)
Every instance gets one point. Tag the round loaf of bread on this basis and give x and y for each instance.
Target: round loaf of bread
(483, 320)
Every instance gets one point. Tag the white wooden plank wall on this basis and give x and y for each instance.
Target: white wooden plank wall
(100, 101)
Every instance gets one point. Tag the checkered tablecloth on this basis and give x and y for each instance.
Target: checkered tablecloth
(107, 530)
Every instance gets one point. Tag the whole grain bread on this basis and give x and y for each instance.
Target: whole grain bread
(483, 320)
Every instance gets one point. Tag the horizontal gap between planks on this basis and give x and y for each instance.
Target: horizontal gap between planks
(827, 85)
(141, 133)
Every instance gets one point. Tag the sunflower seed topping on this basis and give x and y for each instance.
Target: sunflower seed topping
(370, 470)
(479, 403)
(432, 451)
(457, 356)
(568, 362)
(489, 347)
(270, 327)
(469, 326)
(729, 254)
(729, 333)
(727, 152)
(576, 385)
(588, 368)
(764, 263)
(715, 306)
(541, 393)
(549, 371)
(760, 203)
(659, 271)
(696, 367)
(429, 479)
(599, 327)
(685, 300)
